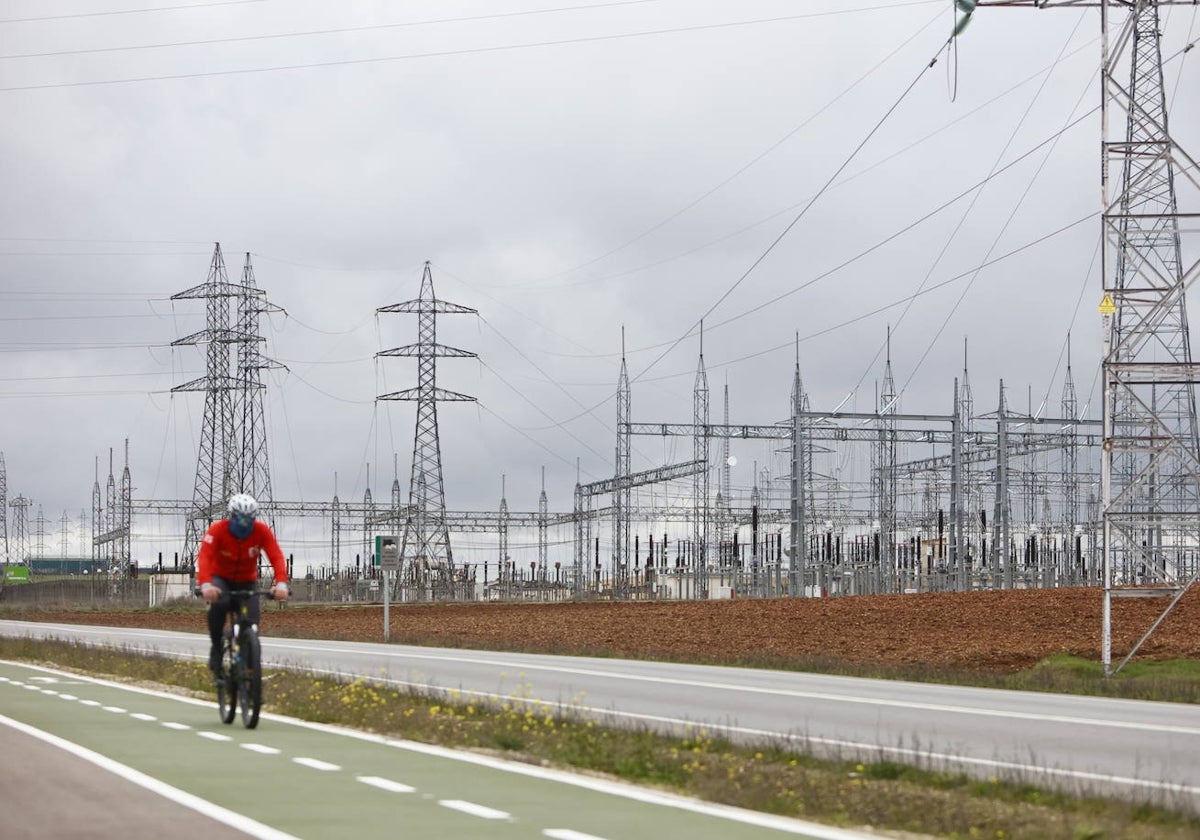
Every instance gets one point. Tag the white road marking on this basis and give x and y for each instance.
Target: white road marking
(386, 784)
(143, 716)
(202, 806)
(172, 725)
(44, 679)
(481, 811)
(67, 697)
(980, 711)
(214, 736)
(30, 687)
(568, 834)
(316, 764)
(261, 748)
(115, 709)
(89, 702)
(49, 691)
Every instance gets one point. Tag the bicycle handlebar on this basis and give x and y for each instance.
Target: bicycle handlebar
(244, 593)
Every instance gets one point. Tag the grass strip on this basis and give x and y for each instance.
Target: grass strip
(884, 794)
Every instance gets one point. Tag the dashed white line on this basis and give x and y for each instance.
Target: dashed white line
(261, 748)
(316, 764)
(172, 725)
(49, 691)
(89, 702)
(115, 710)
(143, 716)
(568, 834)
(386, 784)
(481, 811)
(214, 736)
(67, 697)
(30, 687)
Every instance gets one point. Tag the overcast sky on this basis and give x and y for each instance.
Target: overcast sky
(569, 170)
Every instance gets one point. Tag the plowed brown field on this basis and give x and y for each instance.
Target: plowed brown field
(993, 631)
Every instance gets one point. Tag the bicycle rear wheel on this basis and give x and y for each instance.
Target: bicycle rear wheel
(227, 684)
(250, 683)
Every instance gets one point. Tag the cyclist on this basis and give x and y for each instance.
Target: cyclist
(228, 559)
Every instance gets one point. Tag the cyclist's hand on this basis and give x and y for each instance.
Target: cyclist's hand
(280, 592)
(210, 593)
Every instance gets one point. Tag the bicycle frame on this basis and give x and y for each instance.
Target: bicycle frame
(239, 684)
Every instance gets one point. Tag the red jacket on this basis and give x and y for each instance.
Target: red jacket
(224, 555)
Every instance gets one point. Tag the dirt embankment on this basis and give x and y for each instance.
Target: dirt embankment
(994, 631)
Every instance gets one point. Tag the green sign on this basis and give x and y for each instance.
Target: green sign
(16, 574)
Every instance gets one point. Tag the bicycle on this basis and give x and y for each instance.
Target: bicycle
(239, 683)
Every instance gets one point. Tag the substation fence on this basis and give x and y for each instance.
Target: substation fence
(831, 575)
(99, 592)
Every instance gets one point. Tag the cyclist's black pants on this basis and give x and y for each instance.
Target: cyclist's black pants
(219, 609)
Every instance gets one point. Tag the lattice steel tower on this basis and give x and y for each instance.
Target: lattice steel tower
(1150, 467)
(4, 557)
(701, 445)
(20, 506)
(252, 465)
(218, 455)
(622, 496)
(884, 484)
(1150, 462)
(426, 539)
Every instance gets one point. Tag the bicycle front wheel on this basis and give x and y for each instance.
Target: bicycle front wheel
(227, 685)
(250, 682)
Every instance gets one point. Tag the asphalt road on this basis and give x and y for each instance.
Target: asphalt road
(1121, 748)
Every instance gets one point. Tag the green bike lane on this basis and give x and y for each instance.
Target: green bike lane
(290, 778)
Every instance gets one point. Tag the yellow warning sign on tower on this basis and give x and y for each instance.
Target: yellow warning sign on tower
(1107, 307)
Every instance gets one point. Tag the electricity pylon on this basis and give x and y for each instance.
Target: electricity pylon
(426, 540)
(1150, 469)
(216, 459)
(1150, 460)
(233, 437)
(4, 557)
(252, 467)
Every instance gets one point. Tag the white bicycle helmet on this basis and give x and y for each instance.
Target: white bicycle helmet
(242, 512)
(243, 505)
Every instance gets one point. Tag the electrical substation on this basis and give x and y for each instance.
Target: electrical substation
(983, 490)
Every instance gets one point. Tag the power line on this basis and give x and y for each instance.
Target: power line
(790, 344)
(746, 166)
(967, 212)
(347, 62)
(133, 11)
(779, 238)
(334, 31)
(866, 251)
(796, 219)
(860, 173)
